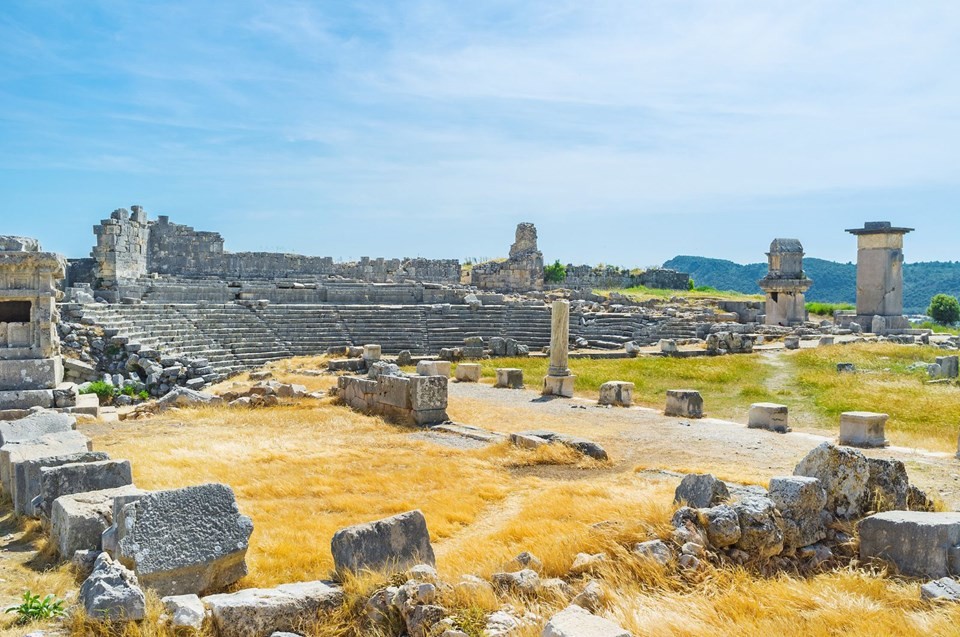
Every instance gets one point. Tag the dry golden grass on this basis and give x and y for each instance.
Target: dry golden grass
(302, 471)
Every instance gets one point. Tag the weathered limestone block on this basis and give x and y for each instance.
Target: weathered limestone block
(29, 374)
(888, 487)
(257, 612)
(394, 543)
(185, 397)
(80, 477)
(918, 543)
(668, 346)
(371, 353)
(722, 525)
(944, 589)
(112, 593)
(949, 366)
(21, 463)
(77, 521)
(791, 342)
(686, 403)
(558, 386)
(34, 426)
(770, 416)
(434, 368)
(701, 490)
(843, 473)
(863, 429)
(800, 500)
(509, 377)
(184, 611)
(616, 392)
(468, 372)
(574, 621)
(761, 527)
(186, 540)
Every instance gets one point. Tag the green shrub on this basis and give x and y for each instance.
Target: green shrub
(104, 391)
(556, 273)
(827, 309)
(944, 309)
(33, 608)
(691, 285)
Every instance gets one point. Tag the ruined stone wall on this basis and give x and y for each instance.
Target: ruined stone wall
(611, 277)
(130, 247)
(121, 250)
(521, 272)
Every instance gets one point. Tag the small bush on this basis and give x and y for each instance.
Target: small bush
(34, 609)
(556, 273)
(944, 309)
(104, 391)
(827, 309)
(691, 285)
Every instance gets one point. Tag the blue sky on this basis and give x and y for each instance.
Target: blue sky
(629, 132)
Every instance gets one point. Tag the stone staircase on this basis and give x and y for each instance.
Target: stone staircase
(306, 329)
(608, 330)
(678, 329)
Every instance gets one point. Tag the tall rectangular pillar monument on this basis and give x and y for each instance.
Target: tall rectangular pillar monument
(880, 276)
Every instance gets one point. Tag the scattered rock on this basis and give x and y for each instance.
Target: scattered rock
(574, 621)
(396, 542)
(761, 528)
(656, 550)
(185, 611)
(258, 611)
(701, 491)
(843, 474)
(112, 593)
(525, 582)
(722, 525)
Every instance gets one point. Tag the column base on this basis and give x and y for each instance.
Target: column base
(558, 386)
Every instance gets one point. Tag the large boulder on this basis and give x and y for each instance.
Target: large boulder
(888, 486)
(722, 525)
(112, 593)
(77, 521)
(189, 540)
(80, 477)
(843, 473)
(574, 621)
(761, 527)
(185, 397)
(800, 500)
(395, 543)
(256, 612)
(701, 490)
(918, 543)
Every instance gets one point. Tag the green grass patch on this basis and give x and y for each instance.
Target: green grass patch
(827, 309)
(922, 415)
(728, 384)
(642, 293)
(937, 328)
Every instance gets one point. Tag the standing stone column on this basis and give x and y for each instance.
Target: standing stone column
(559, 380)
(880, 277)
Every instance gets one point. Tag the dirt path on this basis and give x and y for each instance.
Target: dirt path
(643, 437)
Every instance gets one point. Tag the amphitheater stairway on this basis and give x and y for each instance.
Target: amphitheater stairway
(306, 329)
(678, 329)
(606, 330)
(447, 326)
(393, 327)
(239, 330)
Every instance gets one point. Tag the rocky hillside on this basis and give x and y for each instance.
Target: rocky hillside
(833, 282)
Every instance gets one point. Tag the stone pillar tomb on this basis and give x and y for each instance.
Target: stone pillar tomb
(785, 284)
(880, 276)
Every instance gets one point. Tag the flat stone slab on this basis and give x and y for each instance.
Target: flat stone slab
(918, 543)
(261, 611)
(34, 426)
(77, 521)
(434, 368)
(189, 540)
(20, 463)
(574, 621)
(393, 543)
(769, 416)
(944, 589)
(863, 429)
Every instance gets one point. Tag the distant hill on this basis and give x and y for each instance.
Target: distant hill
(832, 282)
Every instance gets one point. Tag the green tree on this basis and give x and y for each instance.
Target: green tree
(944, 309)
(690, 284)
(556, 273)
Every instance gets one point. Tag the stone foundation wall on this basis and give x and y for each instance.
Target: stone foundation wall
(414, 400)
